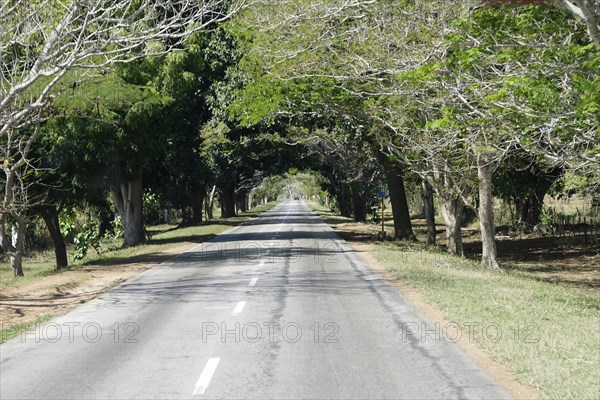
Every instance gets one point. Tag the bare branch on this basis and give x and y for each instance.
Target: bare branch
(45, 39)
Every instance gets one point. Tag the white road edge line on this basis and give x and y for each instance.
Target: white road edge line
(238, 308)
(253, 282)
(206, 375)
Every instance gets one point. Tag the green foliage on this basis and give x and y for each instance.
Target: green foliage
(89, 236)
(102, 97)
(117, 227)
(431, 84)
(293, 183)
(9, 332)
(37, 237)
(558, 351)
(67, 225)
(548, 216)
(258, 101)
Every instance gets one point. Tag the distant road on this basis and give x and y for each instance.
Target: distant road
(279, 307)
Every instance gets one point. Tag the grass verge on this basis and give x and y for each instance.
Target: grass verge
(162, 238)
(10, 331)
(547, 335)
(43, 286)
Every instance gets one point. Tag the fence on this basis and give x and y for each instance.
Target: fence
(576, 221)
(576, 229)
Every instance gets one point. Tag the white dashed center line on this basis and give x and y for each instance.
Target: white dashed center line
(238, 308)
(253, 282)
(206, 375)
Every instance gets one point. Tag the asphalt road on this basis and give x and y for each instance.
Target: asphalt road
(279, 307)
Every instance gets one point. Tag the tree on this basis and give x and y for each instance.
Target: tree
(349, 54)
(503, 92)
(451, 88)
(42, 41)
(429, 208)
(523, 181)
(394, 175)
(589, 12)
(113, 130)
(353, 163)
(182, 174)
(18, 196)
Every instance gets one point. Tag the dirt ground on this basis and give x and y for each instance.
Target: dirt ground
(57, 294)
(561, 260)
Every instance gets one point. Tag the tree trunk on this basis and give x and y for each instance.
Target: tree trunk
(186, 215)
(359, 201)
(16, 261)
(242, 201)
(584, 9)
(50, 216)
(207, 212)
(522, 208)
(228, 201)
(13, 246)
(534, 203)
(536, 200)
(399, 202)
(127, 197)
(429, 208)
(489, 255)
(104, 222)
(452, 210)
(196, 206)
(341, 196)
(209, 202)
(529, 209)
(16, 258)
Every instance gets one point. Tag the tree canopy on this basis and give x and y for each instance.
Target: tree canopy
(182, 100)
